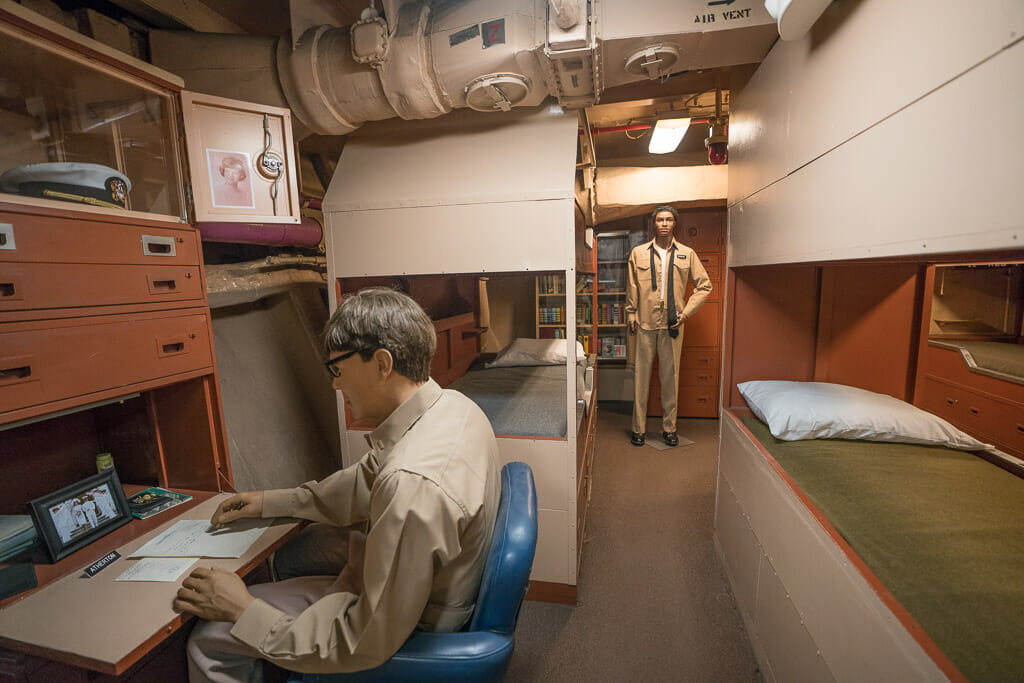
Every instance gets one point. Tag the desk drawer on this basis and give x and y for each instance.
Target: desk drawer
(47, 239)
(53, 360)
(27, 286)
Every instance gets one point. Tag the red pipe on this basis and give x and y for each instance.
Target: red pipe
(307, 233)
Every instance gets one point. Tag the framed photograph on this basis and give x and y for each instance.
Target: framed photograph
(230, 179)
(77, 515)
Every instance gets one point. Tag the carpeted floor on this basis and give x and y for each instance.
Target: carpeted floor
(654, 603)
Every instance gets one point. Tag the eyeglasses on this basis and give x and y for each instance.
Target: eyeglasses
(331, 365)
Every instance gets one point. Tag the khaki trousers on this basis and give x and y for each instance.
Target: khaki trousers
(651, 344)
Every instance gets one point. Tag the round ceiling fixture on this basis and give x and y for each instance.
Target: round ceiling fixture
(653, 61)
(497, 92)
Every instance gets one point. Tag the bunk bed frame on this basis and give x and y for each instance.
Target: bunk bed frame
(844, 193)
(391, 217)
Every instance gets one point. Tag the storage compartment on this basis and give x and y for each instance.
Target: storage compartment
(78, 133)
(977, 301)
(44, 362)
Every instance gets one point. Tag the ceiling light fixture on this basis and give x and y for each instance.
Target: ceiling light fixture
(667, 135)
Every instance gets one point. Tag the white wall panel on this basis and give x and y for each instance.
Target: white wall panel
(551, 562)
(546, 458)
(860, 63)
(466, 238)
(909, 185)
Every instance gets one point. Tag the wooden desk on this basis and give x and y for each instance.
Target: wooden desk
(106, 625)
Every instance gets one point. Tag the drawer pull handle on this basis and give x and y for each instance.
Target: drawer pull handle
(974, 411)
(157, 245)
(1020, 429)
(16, 373)
(6, 236)
(7, 289)
(164, 284)
(704, 377)
(173, 347)
(951, 402)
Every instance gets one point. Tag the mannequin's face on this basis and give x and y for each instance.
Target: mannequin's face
(664, 225)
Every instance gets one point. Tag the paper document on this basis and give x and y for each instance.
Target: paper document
(157, 569)
(193, 538)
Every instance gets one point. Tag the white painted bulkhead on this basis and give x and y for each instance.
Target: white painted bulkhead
(851, 143)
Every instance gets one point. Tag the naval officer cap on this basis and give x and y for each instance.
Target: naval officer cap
(69, 181)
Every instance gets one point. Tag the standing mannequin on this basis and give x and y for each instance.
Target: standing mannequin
(656, 308)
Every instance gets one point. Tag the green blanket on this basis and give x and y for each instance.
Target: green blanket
(942, 529)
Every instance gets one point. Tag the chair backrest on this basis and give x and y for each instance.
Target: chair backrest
(507, 572)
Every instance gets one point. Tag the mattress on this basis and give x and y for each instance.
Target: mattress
(519, 401)
(943, 531)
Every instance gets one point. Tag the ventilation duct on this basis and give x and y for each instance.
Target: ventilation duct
(423, 59)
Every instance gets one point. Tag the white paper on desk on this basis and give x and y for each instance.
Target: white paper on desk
(192, 538)
(157, 569)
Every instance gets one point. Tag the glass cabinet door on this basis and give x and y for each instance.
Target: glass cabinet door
(75, 130)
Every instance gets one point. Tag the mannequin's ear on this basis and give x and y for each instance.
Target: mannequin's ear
(385, 362)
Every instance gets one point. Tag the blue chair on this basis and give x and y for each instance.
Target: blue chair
(483, 650)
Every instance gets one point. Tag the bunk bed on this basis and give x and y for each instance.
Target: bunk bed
(934, 529)
(841, 554)
(446, 232)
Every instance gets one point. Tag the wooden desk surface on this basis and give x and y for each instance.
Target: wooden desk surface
(106, 625)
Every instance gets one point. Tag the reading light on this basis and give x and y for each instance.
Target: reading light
(667, 135)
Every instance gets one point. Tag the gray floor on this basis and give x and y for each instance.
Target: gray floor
(654, 603)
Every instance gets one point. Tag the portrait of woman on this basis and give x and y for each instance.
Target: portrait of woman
(230, 179)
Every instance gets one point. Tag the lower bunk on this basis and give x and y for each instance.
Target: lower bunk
(871, 561)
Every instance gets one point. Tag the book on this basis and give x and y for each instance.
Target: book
(153, 500)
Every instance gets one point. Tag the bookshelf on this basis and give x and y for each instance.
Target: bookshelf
(610, 310)
(551, 313)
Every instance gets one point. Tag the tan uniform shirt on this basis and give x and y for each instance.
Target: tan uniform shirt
(647, 306)
(429, 489)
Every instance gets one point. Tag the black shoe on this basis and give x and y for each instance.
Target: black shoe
(637, 439)
(670, 438)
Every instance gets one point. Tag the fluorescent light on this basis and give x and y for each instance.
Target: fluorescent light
(667, 135)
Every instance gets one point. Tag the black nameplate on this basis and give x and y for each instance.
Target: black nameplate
(101, 564)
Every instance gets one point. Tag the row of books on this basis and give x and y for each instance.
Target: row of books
(552, 315)
(555, 284)
(613, 346)
(611, 314)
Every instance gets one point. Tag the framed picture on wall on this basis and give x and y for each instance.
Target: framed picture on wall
(77, 515)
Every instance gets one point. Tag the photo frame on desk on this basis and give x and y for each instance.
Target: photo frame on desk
(77, 515)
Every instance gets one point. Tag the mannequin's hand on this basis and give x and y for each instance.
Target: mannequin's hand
(632, 327)
(213, 594)
(239, 506)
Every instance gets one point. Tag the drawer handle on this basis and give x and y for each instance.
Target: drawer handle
(7, 289)
(951, 402)
(171, 346)
(157, 245)
(1020, 429)
(6, 236)
(164, 285)
(974, 411)
(16, 373)
(704, 377)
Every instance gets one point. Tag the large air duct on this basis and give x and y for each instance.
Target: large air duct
(425, 58)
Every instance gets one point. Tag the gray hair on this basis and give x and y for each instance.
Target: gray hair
(380, 318)
(662, 209)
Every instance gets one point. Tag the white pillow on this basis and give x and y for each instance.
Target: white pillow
(819, 410)
(525, 351)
